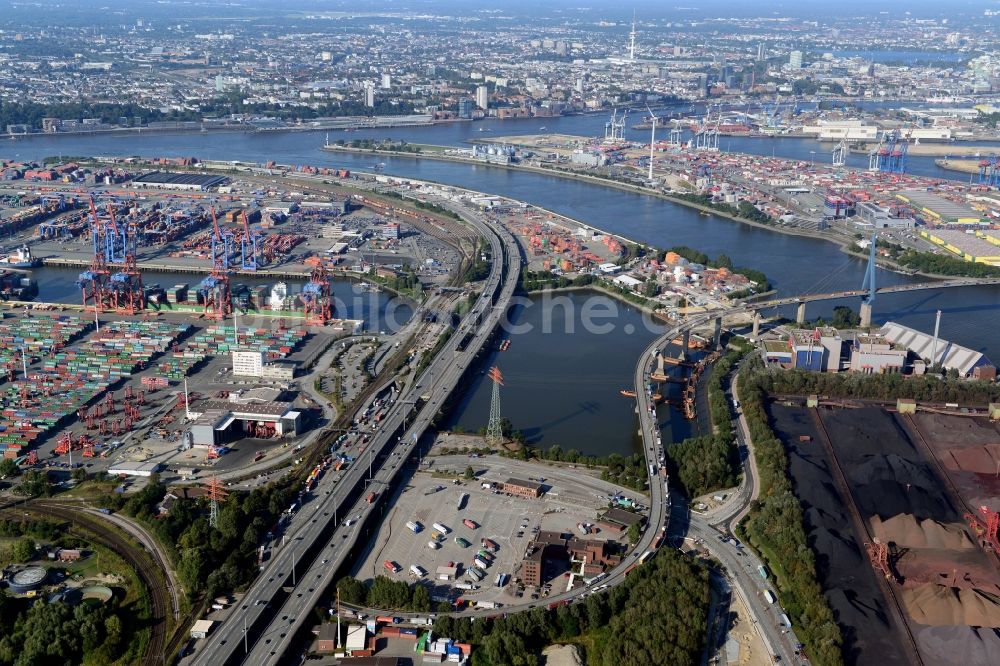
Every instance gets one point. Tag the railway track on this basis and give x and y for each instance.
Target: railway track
(861, 528)
(145, 566)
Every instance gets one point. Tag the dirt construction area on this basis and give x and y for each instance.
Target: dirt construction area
(432, 497)
(947, 586)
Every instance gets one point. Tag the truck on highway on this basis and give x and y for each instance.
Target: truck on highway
(415, 526)
(391, 566)
(386, 619)
(470, 524)
(785, 622)
(372, 497)
(769, 595)
(762, 571)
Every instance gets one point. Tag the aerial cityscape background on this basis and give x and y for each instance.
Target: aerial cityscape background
(533, 333)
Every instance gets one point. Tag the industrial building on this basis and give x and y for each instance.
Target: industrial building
(826, 350)
(870, 215)
(938, 210)
(549, 554)
(141, 469)
(521, 488)
(252, 364)
(967, 362)
(818, 350)
(214, 426)
(191, 182)
(874, 354)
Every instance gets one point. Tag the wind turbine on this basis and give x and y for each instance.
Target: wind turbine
(652, 141)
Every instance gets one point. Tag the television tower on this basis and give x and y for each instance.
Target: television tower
(494, 433)
(631, 48)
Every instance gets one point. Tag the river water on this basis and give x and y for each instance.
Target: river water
(563, 389)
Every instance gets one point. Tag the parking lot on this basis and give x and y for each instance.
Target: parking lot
(510, 522)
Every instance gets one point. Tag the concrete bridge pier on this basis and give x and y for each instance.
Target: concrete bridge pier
(800, 313)
(756, 325)
(717, 337)
(685, 340)
(866, 314)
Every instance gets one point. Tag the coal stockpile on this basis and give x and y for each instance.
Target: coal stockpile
(887, 474)
(845, 572)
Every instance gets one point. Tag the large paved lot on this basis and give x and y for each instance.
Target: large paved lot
(573, 496)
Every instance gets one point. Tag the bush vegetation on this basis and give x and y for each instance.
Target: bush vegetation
(776, 530)
(614, 628)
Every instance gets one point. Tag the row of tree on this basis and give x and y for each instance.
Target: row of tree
(658, 615)
(385, 594)
(626, 471)
(776, 529)
(927, 388)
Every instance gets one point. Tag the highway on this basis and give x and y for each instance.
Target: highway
(280, 601)
(741, 566)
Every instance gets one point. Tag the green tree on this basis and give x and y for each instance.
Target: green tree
(8, 468)
(634, 533)
(352, 591)
(24, 549)
(420, 600)
(469, 473)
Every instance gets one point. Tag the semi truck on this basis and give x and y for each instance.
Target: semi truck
(470, 524)
(391, 566)
(415, 526)
(443, 529)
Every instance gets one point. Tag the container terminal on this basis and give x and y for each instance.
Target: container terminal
(198, 310)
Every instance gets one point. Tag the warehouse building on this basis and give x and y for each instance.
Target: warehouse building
(141, 469)
(223, 421)
(967, 362)
(191, 182)
(979, 248)
(521, 488)
(937, 210)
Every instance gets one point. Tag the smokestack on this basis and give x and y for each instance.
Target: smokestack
(937, 329)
